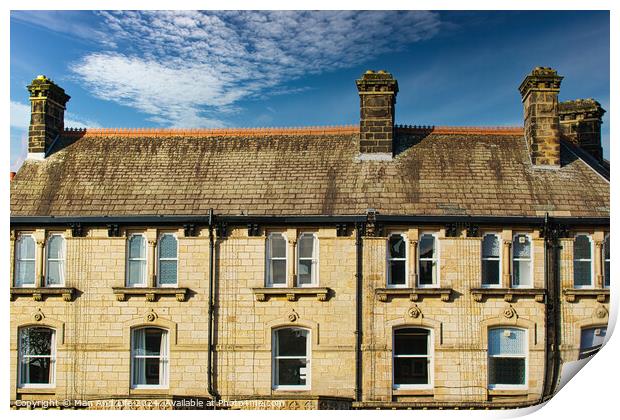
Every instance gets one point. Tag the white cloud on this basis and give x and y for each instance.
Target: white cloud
(187, 68)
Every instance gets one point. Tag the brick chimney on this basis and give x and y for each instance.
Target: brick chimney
(47, 116)
(580, 122)
(377, 92)
(539, 93)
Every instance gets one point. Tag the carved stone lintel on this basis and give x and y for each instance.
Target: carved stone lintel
(509, 312)
(414, 311)
(382, 297)
(151, 316)
(150, 297)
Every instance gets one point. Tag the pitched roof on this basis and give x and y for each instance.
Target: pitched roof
(436, 171)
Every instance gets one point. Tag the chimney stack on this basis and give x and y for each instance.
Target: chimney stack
(580, 122)
(47, 116)
(539, 93)
(377, 92)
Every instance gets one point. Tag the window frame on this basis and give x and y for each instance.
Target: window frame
(52, 357)
(164, 359)
(17, 260)
(314, 259)
(499, 259)
(64, 260)
(437, 260)
(430, 351)
(275, 358)
(592, 350)
(159, 259)
(592, 284)
(268, 258)
(389, 259)
(144, 282)
(606, 272)
(530, 259)
(525, 356)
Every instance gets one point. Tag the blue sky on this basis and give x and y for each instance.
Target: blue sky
(256, 69)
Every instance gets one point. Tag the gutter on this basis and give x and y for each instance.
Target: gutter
(358, 311)
(210, 347)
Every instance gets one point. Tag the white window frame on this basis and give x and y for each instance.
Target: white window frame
(145, 259)
(591, 260)
(406, 260)
(275, 358)
(499, 259)
(164, 359)
(430, 349)
(269, 274)
(314, 259)
(63, 260)
(18, 259)
(52, 357)
(437, 260)
(606, 278)
(524, 356)
(160, 259)
(530, 259)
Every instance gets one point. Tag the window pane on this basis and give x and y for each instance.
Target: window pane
(167, 246)
(278, 271)
(506, 341)
(427, 246)
(522, 273)
(490, 273)
(54, 247)
(507, 371)
(398, 248)
(136, 247)
(306, 246)
(291, 342)
(278, 246)
(146, 371)
(36, 341)
(137, 271)
(582, 273)
(521, 246)
(411, 341)
(582, 247)
(427, 272)
(304, 276)
(490, 246)
(397, 272)
(607, 245)
(36, 370)
(24, 273)
(54, 273)
(292, 371)
(607, 273)
(167, 272)
(410, 371)
(591, 341)
(26, 247)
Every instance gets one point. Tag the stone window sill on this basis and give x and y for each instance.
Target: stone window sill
(151, 293)
(261, 294)
(507, 392)
(508, 293)
(414, 392)
(37, 293)
(38, 391)
(414, 294)
(571, 295)
(149, 392)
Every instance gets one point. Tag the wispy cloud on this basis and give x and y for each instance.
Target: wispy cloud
(189, 68)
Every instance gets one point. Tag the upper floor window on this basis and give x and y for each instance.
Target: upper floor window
(291, 358)
(55, 261)
(276, 260)
(397, 260)
(136, 261)
(582, 261)
(37, 357)
(149, 358)
(592, 340)
(521, 261)
(307, 260)
(606, 260)
(491, 260)
(507, 358)
(412, 358)
(427, 261)
(167, 261)
(25, 261)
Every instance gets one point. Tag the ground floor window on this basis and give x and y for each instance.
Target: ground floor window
(149, 349)
(291, 358)
(507, 358)
(37, 357)
(412, 358)
(591, 341)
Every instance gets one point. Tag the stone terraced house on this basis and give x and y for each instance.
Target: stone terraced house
(371, 266)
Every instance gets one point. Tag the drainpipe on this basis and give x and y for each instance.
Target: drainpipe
(210, 374)
(359, 229)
